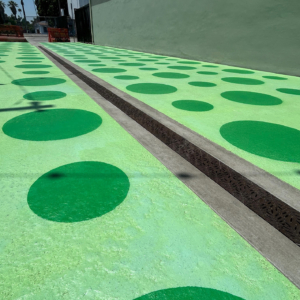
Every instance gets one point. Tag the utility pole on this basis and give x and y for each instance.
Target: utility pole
(22, 3)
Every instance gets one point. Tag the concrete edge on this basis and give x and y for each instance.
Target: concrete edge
(269, 197)
(274, 246)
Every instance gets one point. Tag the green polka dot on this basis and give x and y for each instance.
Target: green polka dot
(2, 61)
(289, 91)
(275, 77)
(126, 77)
(32, 62)
(268, 140)
(109, 70)
(148, 69)
(202, 84)
(188, 62)
(182, 68)
(44, 95)
(54, 124)
(189, 293)
(207, 73)
(36, 72)
(209, 66)
(38, 81)
(88, 61)
(151, 88)
(242, 80)
(132, 64)
(251, 98)
(30, 58)
(146, 59)
(239, 71)
(3, 55)
(29, 66)
(97, 65)
(192, 105)
(108, 57)
(172, 75)
(78, 192)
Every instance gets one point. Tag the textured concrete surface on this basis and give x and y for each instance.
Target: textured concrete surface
(160, 236)
(257, 34)
(272, 144)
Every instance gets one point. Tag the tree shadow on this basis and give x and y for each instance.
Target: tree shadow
(35, 105)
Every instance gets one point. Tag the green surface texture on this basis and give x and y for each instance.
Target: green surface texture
(96, 216)
(250, 96)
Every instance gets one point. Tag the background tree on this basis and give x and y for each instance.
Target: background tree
(13, 7)
(51, 7)
(2, 9)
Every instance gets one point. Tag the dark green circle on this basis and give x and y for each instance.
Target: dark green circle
(268, 140)
(172, 75)
(151, 88)
(126, 77)
(207, 73)
(182, 68)
(275, 77)
(148, 69)
(252, 98)
(2, 61)
(3, 55)
(192, 105)
(109, 70)
(242, 80)
(30, 58)
(44, 95)
(54, 124)
(36, 72)
(108, 57)
(146, 59)
(38, 81)
(132, 64)
(289, 91)
(188, 293)
(202, 84)
(33, 66)
(78, 192)
(32, 62)
(210, 66)
(188, 62)
(88, 61)
(239, 71)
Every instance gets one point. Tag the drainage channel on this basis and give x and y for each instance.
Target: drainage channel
(276, 212)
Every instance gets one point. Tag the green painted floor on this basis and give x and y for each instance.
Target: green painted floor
(251, 113)
(88, 213)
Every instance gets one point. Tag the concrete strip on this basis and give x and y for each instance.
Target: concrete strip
(274, 246)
